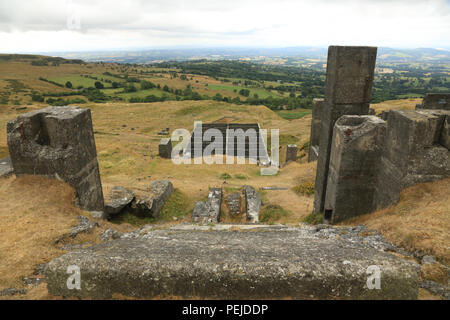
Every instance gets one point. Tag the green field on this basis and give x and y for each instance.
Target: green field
(262, 93)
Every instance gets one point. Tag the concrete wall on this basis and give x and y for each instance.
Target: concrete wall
(348, 86)
(414, 152)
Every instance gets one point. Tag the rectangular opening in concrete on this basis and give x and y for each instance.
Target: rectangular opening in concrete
(328, 215)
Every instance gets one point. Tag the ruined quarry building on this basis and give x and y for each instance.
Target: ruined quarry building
(348, 86)
(58, 142)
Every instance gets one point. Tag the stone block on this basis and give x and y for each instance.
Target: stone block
(291, 152)
(165, 148)
(252, 204)
(208, 211)
(355, 154)
(119, 198)
(58, 142)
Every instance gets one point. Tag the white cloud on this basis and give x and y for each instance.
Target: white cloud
(27, 26)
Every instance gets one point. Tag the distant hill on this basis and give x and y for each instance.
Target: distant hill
(385, 54)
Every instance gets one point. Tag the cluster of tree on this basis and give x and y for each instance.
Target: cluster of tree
(63, 102)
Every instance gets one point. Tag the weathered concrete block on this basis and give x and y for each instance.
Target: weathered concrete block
(314, 138)
(355, 154)
(208, 211)
(291, 152)
(119, 198)
(299, 263)
(6, 168)
(349, 79)
(150, 204)
(412, 153)
(58, 142)
(252, 204)
(165, 148)
(435, 101)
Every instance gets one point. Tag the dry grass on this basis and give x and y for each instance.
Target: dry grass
(34, 212)
(404, 104)
(420, 221)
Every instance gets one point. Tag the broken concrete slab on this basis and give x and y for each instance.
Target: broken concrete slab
(58, 142)
(193, 264)
(233, 202)
(206, 212)
(118, 199)
(6, 168)
(252, 204)
(151, 204)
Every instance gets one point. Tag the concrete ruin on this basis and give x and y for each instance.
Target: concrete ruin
(364, 162)
(415, 151)
(314, 139)
(165, 148)
(233, 139)
(372, 160)
(348, 85)
(252, 204)
(435, 101)
(291, 152)
(208, 211)
(58, 142)
(355, 155)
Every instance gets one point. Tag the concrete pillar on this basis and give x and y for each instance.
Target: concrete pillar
(348, 86)
(291, 152)
(356, 149)
(58, 142)
(165, 148)
(314, 137)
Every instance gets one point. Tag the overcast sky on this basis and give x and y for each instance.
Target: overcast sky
(83, 25)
